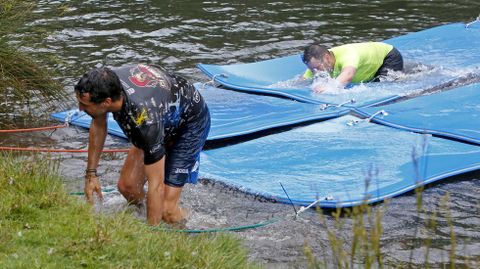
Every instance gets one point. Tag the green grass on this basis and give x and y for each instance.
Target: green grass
(41, 226)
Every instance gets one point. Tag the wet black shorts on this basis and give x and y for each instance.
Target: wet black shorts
(393, 61)
(182, 159)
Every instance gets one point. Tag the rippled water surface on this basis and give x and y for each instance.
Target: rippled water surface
(180, 34)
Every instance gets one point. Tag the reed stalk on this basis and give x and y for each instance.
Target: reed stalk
(23, 82)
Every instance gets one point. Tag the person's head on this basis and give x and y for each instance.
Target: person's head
(318, 58)
(97, 89)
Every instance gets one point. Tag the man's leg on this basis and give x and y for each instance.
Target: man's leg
(132, 177)
(182, 164)
(392, 62)
(173, 213)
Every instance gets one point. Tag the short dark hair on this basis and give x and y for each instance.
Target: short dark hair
(314, 51)
(101, 83)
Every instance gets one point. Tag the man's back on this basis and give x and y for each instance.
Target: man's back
(156, 105)
(365, 57)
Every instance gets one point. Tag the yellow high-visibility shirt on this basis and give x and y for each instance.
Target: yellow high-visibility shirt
(366, 57)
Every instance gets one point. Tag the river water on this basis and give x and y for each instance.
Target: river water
(179, 34)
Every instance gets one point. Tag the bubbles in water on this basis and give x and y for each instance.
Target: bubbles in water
(323, 83)
(298, 82)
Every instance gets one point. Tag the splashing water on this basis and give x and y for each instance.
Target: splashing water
(416, 79)
(297, 82)
(326, 84)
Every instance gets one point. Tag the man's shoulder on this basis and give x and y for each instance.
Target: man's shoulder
(144, 76)
(362, 45)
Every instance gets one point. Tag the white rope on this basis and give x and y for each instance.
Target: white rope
(212, 81)
(303, 208)
(325, 106)
(475, 21)
(355, 122)
(69, 115)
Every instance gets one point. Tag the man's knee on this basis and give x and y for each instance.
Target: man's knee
(128, 189)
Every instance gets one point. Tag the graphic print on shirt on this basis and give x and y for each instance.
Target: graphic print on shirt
(142, 117)
(147, 76)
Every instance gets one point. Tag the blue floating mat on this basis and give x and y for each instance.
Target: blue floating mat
(79, 118)
(235, 113)
(338, 163)
(451, 46)
(454, 113)
(433, 57)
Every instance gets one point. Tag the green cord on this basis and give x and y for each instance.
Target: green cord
(215, 230)
(106, 190)
(212, 230)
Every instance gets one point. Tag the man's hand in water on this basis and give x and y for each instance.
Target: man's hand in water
(319, 89)
(92, 184)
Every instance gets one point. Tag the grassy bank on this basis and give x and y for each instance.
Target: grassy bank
(41, 226)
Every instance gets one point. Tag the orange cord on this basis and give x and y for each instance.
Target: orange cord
(59, 150)
(33, 129)
(46, 149)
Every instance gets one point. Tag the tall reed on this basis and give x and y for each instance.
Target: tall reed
(22, 81)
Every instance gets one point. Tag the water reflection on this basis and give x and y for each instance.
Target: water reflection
(117, 32)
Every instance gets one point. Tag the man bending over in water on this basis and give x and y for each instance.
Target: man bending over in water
(166, 120)
(352, 63)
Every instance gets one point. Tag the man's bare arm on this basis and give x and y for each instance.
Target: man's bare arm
(97, 135)
(346, 76)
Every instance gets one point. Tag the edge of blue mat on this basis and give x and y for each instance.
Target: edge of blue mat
(284, 94)
(388, 191)
(259, 90)
(375, 102)
(417, 130)
(325, 116)
(85, 125)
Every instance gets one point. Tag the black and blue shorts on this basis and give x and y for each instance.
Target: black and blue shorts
(392, 62)
(182, 158)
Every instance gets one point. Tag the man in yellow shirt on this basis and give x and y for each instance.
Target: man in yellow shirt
(352, 63)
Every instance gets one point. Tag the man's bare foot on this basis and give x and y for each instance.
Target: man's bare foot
(184, 213)
(180, 220)
(180, 225)
(179, 215)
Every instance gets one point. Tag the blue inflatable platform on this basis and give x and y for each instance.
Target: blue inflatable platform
(433, 57)
(341, 162)
(235, 113)
(454, 114)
